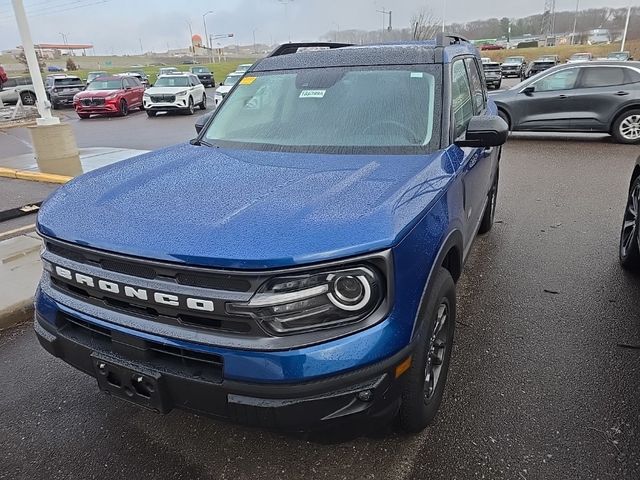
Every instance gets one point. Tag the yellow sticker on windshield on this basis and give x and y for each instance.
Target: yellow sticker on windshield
(248, 80)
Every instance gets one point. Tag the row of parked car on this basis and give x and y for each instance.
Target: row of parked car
(118, 94)
(518, 67)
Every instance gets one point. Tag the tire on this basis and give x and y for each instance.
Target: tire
(84, 116)
(151, 113)
(421, 399)
(490, 209)
(203, 103)
(124, 108)
(190, 110)
(28, 98)
(54, 106)
(629, 240)
(626, 128)
(505, 116)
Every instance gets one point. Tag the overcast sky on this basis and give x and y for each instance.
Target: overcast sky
(118, 26)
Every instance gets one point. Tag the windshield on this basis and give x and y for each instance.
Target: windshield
(231, 80)
(67, 81)
(491, 67)
(513, 60)
(172, 82)
(168, 70)
(105, 85)
(333, 110)
(579, 56)
(543, 64)
(618, 56)
(200, 70)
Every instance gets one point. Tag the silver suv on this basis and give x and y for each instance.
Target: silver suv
(18, 87)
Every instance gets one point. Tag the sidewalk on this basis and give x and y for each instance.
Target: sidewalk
(20, 271)
(25, 166)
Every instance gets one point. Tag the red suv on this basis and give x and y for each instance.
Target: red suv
(109, 95)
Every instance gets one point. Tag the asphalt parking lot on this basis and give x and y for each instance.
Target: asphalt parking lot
(542, 384)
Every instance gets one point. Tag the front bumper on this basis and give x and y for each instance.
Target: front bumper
(96, 109)
(306, 406)
(180, 104)
(62, 99)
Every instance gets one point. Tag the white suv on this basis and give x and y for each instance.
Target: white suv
(175, 92)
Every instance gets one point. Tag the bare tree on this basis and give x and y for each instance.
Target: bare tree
(425, 25)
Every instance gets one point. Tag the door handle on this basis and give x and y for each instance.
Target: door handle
(621, 93)
(563, 97)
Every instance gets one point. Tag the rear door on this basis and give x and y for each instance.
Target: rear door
(602, 91)
(552, 105)
(8, 92)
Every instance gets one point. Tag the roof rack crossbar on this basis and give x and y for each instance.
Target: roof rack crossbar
(444, 39)
(289, 48)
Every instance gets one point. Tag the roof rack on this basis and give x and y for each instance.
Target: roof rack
(289, 48)
(443, 40)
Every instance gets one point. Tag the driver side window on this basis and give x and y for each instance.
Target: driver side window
(562, 80)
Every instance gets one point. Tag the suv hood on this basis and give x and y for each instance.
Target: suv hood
(165, 90)
(245, 209)
(96, 93)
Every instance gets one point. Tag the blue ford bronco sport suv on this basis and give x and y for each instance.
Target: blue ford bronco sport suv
(294, 267)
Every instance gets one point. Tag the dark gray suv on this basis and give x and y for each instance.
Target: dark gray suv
(601, 97)
(62, 88)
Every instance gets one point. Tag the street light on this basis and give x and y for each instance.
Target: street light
(254, 40)
(626, 30)
(206, 34)
(191, 47)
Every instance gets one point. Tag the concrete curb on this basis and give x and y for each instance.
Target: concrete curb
(16, 314)
(33, 176)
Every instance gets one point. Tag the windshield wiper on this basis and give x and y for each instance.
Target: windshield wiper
(198, 143)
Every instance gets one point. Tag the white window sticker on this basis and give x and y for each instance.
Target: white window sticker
(417, 74)
(312, 93)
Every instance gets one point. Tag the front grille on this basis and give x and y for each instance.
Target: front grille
(137, 268)
(202, 366)
(92, 102)
(163, 98)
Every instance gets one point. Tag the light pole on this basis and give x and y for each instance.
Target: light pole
(384, 13)
(286, 15)
(444, 14)
(254, 40)
(53, 142)
(204, 22)
(626, 29)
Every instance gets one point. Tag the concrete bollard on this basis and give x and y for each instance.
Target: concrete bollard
(55, 149)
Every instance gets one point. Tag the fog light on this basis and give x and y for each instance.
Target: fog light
(365, 395)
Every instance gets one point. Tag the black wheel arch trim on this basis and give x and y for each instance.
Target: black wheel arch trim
(632, 105)
(453, 241)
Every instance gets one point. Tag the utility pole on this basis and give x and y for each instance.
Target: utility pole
(575, 23)
(444, 14)
(141, 49)
(626, 30)
(286, 14)
(254, 41)
(191, 47)
(384, 13)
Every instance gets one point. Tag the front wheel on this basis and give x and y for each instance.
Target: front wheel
(425, 381)
(190, 110)
(84, 116)
(203, 103)
(629, 239)
(124, 108)
(151, 113)
(626, 128)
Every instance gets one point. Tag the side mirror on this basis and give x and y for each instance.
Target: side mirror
(485, 131)
(529, 90)
(202, 121)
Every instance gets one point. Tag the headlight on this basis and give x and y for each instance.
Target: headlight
(146, 95)
(301, 303)
(183, 92)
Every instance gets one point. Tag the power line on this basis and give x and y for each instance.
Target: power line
(62, 7)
